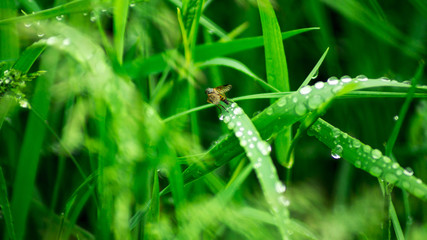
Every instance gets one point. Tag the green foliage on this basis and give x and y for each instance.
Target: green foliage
(119, 142)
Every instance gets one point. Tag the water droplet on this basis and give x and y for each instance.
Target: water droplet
(270, 111)
(300, 109)
(66, 42)
(24, 103)
(406, 184)
(40, 35)
(238, 111)
(250, 132)
(336, 133)
(85, 14)
(281, 102)
(395, 118)
(227, 119)
(305, 90)
(59, 17)
(254, 139)
(280, 187)
(384, 79)
(346, 79)
(408, 172)
(239, 134)
(398, 172)
(367, 148)
(257, 165)
(376, 154)
(336, 152)
(263, 147)
(251, 145)
(243, 143)
(395, 165)
(221, 117)
(386, 159)
(285, 202)
(93, 16)
(239, 124)
(375, 171)
(358, 164)
(333, 81)
(231, 125)
(27, 25)
(391, 178)
(315, 101)
(242, 129)
(362, 78)
(132, 5)
(319, 85)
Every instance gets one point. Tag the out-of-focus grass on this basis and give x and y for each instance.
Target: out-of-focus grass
(109, 126)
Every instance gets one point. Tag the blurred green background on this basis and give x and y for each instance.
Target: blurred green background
(85, 158)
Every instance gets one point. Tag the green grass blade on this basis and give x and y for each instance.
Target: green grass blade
(239, 66)
(29, 56)
(370, 160)
(314, 71)
(277, 70)
(120, 15)
(156, 63)
(5, 207)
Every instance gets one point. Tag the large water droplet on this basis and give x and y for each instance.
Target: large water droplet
(227, 119)
(384, 79)
(263, 147)
(281, 102)
(238, 111)
(280, 187)
(300, 109)
(376, 154)
(395, 118)
(362, 78)
(337, 152)
(315, 101)
(333, 81)
(319, 85)
(346, 79)
(270, 110)
(375, 171)
(305, 90)
(239, 134)
(408, 172)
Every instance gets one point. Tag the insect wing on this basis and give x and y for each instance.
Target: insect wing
(223, 89)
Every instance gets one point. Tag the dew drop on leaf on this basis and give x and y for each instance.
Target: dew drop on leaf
(319, 85)
(362, 78)
(376, 154)
(333, 81)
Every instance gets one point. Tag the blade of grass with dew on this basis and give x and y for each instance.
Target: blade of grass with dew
(257, 150)
(120, 15)
(5, 207)
(370, 160)
(156, 63)
(239, 66)
(284, 112)
(277, 71)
